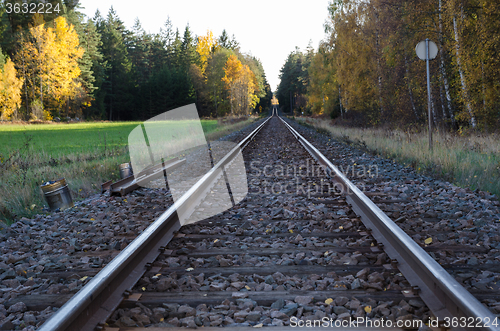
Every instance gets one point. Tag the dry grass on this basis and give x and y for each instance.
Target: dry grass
(226, 128)
(469, 161)
(25, 168)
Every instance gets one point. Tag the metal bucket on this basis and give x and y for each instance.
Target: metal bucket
(57, 194)
(126, 170)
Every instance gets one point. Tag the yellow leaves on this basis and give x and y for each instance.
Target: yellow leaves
(206, 44)
(68, 51)
(329, 301)
(232, 69)
(84, 278)
(50, 56)
(247, 287)
(368, 309)
(10, 90)
(291, 231)
(428, 241)
(242, 85)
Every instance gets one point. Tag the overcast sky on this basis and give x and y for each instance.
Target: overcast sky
(269, 30)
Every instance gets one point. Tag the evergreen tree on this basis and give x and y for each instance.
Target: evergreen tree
(118, 86)
(188, 49)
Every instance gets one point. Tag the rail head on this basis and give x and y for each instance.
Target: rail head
(440, 291)
(96, 301)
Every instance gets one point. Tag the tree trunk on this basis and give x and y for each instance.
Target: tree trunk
(433, 110)
(483, 87)
(442, 66)
(410, 92)
(111, 97)
(25, 83)
(443, 107)
(379, 69)
(340, 103)
(462, 76)
(41, 91)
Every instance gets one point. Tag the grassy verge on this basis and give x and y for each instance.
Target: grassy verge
(468, 161)
(86, 154)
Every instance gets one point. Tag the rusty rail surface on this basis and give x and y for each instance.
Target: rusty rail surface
(131, 183)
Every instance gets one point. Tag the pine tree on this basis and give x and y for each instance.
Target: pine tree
(118, 87)
(140, 53)
(188, 49)
(93, 69)
(91, 65)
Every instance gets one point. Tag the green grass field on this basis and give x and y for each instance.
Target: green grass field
(57, 140)
(86, 154)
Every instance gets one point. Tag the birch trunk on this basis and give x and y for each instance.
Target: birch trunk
(433, 110)
(442, 66)
(462, 76)
(443, 107)
(379, 70)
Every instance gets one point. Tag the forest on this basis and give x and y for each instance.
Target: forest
(95, 68)
(366, 73)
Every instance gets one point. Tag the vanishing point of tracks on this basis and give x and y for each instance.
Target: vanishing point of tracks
(305, 245)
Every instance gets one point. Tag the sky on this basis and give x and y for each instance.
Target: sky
(269, 30)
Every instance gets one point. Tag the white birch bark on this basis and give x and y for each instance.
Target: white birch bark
(462, 76)
(443, 70)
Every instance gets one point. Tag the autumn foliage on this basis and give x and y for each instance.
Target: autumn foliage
(10, 90)
(230, 81)
(95, 68)
(366, 71)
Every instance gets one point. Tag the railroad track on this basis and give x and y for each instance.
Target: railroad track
(304, 245)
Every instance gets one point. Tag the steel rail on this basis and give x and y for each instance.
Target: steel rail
(444, 296)
(95, 302)
(131, 183)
